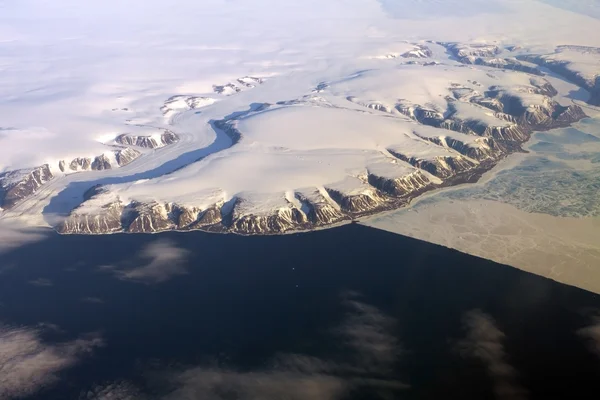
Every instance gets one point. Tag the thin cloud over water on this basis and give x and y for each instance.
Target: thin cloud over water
(41, 282)
(369, 332)
(27, 364)
(158, 262)
(369, 351)
(591, 334)
(484, 341)
(93, 300)
(14, 235)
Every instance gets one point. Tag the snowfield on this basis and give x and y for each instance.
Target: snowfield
(224, 116)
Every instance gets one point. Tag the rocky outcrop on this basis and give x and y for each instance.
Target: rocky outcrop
(243, 83)
(275, 221)
(420, 51)
(401, 186)
(435, 160)
(422, 114)
(135, 217)
(115, 159)
(321, 209)
(147, 142)
(211, 216)
(77, 164)
(150, 217)
(546, 115)
(452, 139)
(515, 120)
(487, 55)
(105, 219)
(485, 148)
(443, 167)
(226, 89)
(464, 51)
(180, 103)
(100, 163)
(569, 70)
(356, 198)
(125, 156)
(507, 63)
(20, 184)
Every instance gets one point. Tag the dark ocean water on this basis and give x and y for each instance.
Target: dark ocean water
(351, 312)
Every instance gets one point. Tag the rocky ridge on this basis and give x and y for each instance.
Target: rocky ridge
(454, 139)
(16, 185)
(383, 186)
(488, 55)
(590, 81)
(147, 142)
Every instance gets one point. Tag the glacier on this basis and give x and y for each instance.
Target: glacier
(270, 119)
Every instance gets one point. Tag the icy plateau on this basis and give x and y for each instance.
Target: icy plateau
(286, 144)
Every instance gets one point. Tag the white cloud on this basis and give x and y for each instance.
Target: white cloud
(368, 332)
(42, 282)
(370, 349)
(27, 364)
(157, 262)
(14, 235)
(93, 300)
(592, 334)
(369, 341)
(485, 342)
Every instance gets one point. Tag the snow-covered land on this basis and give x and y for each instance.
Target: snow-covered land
(227, 116)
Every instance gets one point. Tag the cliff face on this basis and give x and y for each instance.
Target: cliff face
(489, 56)
(450, 129)
(572, 69)
(107, 219)
(276, 221)
(18, 185)
(400, 186)
(499, 121)
(147, 142)
(113, 159)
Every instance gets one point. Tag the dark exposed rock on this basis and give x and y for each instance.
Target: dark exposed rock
(546, 116)
(463, 51)
(101, 163)
(80, 163)
(220, 89)
(562, 67)
(150, 217)
(276, 221)
(208, 217)
(186, 216)
(147, 142)
(106, 219)
(20, 184)
(443, 167)
(320, 210)
(125, 156)
(420, 51)
(487, 55)
(402, 186)
(357, 204)
(377, 189)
